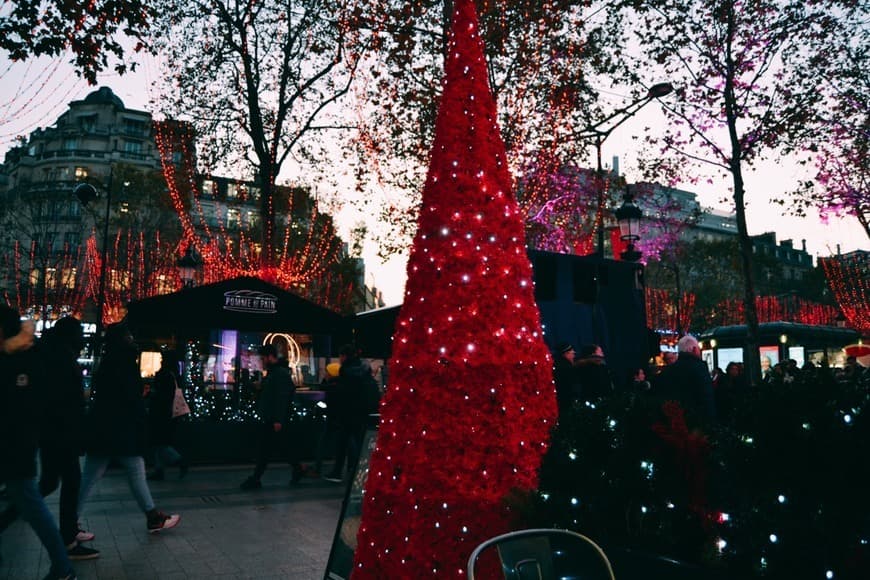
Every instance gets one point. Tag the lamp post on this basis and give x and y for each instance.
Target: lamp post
(600, 131)
(187, 265)
(86, 193)
(628, 216)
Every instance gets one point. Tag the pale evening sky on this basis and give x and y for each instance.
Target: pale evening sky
(33, 94)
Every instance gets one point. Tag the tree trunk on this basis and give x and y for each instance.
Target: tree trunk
(750, 350)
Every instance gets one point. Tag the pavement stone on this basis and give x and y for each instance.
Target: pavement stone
(281, 531)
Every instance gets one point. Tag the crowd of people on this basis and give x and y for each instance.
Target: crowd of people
(683, 376)
(43, 414)
(47, 424)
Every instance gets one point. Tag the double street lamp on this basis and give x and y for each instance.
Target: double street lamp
(601, 130)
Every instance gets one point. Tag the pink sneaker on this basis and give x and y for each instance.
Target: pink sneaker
(161, 521)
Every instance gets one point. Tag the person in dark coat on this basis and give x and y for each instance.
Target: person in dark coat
(161, 423)
(273, 408)
(688, 381)
(21, 391)
(117, 425)
(61, 436)
(356, 398)
(593, 374)
(565, 377)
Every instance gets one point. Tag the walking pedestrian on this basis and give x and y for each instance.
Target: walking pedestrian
(21, 389)
(61, 433)
(273, 408)
(117, 424)
(161, 422)
(356, 398)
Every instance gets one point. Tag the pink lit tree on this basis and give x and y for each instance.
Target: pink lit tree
(747, 79)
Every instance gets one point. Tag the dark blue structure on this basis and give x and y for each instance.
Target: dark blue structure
(582, 299)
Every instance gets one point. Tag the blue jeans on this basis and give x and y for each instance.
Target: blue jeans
(164, 456)
(26, 498)
(95, 468)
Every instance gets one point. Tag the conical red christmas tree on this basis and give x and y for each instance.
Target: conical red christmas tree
(471, 403)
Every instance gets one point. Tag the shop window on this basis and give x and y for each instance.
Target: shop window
(81, 173)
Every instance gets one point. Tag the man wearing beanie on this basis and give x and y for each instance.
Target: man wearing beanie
(20, 418)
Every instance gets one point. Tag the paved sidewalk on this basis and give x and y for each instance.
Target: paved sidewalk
(281, 531)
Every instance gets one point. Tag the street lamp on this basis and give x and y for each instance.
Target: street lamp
(187, 265)
(86, 193)
(599, 132)
(628, 216)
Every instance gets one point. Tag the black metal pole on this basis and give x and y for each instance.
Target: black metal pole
(599, 173)
(101, 295)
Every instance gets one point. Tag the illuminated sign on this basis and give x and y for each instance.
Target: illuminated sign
(250, 301)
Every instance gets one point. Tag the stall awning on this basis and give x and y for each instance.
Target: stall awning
(244, 303)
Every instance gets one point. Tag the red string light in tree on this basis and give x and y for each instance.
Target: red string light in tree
(471, 401)
(306, 253)
(661, 312)
(849, 279)
(776, 309)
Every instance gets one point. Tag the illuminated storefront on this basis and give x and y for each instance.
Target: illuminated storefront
(216, 330)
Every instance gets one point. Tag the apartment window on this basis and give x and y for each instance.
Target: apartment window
(125, 207)
(232, 190)
(134, 127)
(74, 209)
(88, 123)
(72, 239)
(50, 277)
(70, 144)
(254, 193)
(68, 278)
(50, 240)
(208, 187)
(81, 172)
(232, 218)
(132, 147)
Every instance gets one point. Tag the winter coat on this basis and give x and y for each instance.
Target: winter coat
(20, 406)
(276, 394)
(594, 379)
(63, 422)
(356, 395)
(567, 385)
(117, 417)
(161, 425)
(688, 382)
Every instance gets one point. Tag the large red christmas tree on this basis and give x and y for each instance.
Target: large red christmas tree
(471, 403)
